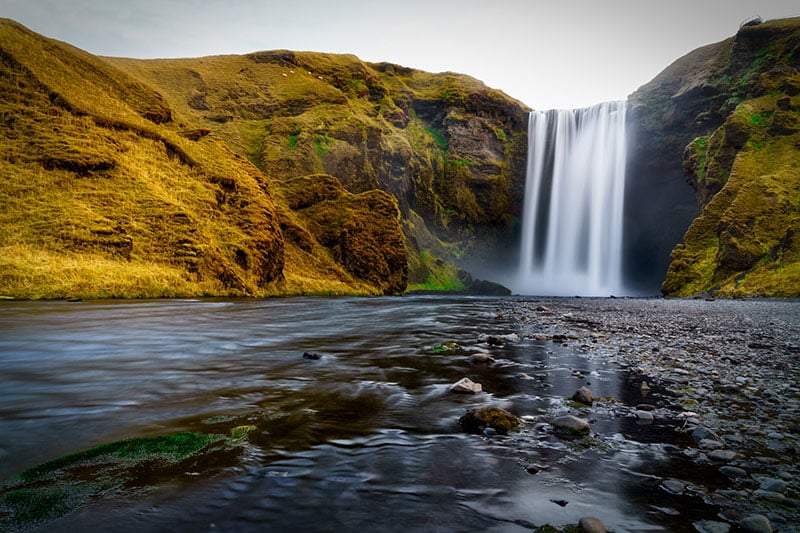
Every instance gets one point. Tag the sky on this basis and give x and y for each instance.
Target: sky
(545, 53)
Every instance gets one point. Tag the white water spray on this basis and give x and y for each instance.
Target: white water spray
(574, 195)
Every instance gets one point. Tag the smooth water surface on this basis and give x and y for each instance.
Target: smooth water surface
(365, 438)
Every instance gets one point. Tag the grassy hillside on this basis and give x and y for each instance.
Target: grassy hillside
(107, 191)
(449, 149)
(746, 241)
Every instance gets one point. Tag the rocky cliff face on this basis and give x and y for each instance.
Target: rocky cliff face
(449, 149)
(711, 101)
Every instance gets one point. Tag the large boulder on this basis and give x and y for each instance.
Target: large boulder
(497, 418)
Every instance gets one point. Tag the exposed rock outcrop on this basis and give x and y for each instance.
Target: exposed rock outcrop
(449, 149)
(707, 91)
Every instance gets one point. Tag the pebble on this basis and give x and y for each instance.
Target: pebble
(481, 358)
(583, 395)
(466, 386)
(722, 455)
(740, 406)
(709, 444)
(703, 433)
(755, 524)
(733, 471)
(773, 485)
(673, 486)
(590, 524)
(571, 424)
(711, 526)
(769, 496)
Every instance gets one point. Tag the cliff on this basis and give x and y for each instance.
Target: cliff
(450, 150)
(724, 117)
(271, 173)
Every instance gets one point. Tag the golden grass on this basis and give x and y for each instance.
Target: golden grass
(27, 272)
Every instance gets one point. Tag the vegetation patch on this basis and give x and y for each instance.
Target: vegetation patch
(55, 488)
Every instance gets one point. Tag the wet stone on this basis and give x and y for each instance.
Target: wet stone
(773, 485)
(709, 444)
(769, 496)
(722, 455)
(533, 468)
(733, 471)
(481, 358)
(673, 486)
(755, 524)
(570, 424)
(583, 395)
(711, 526)
(590, 524)
(466, 386)
(644, 417)
(703, 433)
(495, 419)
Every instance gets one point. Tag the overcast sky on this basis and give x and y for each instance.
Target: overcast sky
(546, 53)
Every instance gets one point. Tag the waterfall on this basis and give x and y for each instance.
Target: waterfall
(574, 194)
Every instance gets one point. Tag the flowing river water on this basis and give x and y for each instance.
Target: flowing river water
(366, 438)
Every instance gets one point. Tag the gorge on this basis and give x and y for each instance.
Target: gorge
(262, 174)
(185, 247)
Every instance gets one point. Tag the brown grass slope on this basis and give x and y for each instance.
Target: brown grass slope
(106, 191)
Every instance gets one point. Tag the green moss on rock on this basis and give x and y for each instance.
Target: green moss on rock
(55, 488)
(745, 242)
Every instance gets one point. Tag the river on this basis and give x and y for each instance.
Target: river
(366, 438)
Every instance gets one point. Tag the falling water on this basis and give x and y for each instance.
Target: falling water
(574, 194)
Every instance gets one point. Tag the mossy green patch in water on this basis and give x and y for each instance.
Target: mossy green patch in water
(55, 488)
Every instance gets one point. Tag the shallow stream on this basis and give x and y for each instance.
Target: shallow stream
(366, 438)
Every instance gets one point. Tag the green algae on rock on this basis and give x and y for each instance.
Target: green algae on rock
(497, 418)
(55, 488)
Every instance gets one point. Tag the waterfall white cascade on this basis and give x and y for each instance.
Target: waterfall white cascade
(574, 195)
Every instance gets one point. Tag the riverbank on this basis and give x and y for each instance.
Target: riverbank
(729, 377)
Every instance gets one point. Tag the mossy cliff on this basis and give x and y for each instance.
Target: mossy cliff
(127, 178)
(732, 108)
(450, 150)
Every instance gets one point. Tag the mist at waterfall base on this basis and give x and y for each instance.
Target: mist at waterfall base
(572, 224)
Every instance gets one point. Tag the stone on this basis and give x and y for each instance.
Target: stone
(769, 496)
(755, 523)
(583, 395)
(495, 418)
(571, 424)
(481, 358)
(710, 444)
(466, 386)
(644, 417)
(711, 526)
(673, 486)
(533, 468)
(314, 356)
(722, 455)
(590, 524)
(703, 433)
(733, 471)
(773, 485)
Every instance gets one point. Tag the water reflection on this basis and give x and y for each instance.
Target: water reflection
(366, 437)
